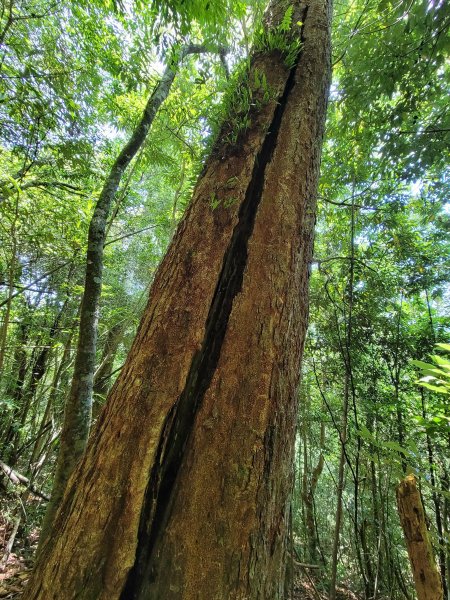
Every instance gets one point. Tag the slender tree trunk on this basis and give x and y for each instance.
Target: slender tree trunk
(38, 371)
(340, 490)
(444, 556)
(446, 523)
(304, 426)
(15, 391)
(384, 496)
(412, 517)
(381, 568)
(78, 409)
(184, 489)
(396, 381)
(102, 377)
(177, 195)
(309, 488)
(348, 389)
(436, 500)
(45, 429)
(377, 536)
(10, 293)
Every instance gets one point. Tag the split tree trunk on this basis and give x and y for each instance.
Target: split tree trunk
(412, 517)
(183, 490)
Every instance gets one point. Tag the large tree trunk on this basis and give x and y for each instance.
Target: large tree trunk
(412, 517)
(183, 490)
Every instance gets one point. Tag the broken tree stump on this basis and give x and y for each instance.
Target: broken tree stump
(427, 579)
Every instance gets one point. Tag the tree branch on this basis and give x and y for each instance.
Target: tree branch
(19, 479)
(33, 283)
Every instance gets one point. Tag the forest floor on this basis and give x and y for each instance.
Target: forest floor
(307, 589)
(15, 572)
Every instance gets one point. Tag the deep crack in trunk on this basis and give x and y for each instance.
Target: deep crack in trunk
(180, 420)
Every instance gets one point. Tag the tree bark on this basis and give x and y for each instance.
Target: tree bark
(183, 491)
(412, 517)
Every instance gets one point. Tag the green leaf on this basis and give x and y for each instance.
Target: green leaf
(365, 434)
(286, 21)
(395, 446)
(444, 346)
(441, 361)
(434, 388)
(422, 365)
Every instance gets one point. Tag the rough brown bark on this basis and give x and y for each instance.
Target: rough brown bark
(183, 490)
(412, 517)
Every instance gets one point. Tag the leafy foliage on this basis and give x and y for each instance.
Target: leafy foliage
(435, 375)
